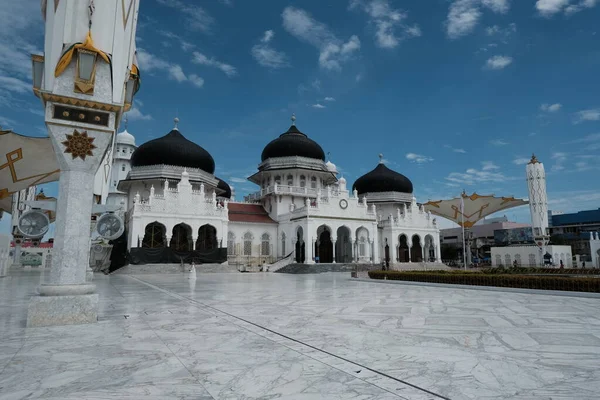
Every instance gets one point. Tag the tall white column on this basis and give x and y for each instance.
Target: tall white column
(17, 254)
(334, 251)
(84, 100)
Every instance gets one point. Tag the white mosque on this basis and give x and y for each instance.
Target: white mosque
(175, 208)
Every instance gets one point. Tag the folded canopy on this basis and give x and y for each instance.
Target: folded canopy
(468, 210)
(25, 161)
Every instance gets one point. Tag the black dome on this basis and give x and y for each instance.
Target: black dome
(173, 149)
(223, 185)
(383, 179)
(293, 143)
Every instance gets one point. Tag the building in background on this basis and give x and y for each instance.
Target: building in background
(574, 230)
(484, 237)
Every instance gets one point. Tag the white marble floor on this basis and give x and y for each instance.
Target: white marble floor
(276, 336)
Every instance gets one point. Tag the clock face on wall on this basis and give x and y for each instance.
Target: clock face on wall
(343, 204)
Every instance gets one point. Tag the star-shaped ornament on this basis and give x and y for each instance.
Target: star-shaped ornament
(79, 145)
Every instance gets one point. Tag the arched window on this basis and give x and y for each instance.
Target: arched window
(532, 260)
(290, 180)
(313, 182)
(362, 246)
(265, 244)
(230, 243)
(283, 244)
(498, 260)
(278, 179)
(507, 260)
(302, 181)
(518, 259)
(248, 244)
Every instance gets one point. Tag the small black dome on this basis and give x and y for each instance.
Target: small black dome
(383, 179)
(173, 149)
(223, 185)
(293, 143)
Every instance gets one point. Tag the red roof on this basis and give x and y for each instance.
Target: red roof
(44, 245)
(240, 212)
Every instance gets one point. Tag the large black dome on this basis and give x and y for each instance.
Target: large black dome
(223, 185)
(383, 179)
(173, 149)
(293, 143)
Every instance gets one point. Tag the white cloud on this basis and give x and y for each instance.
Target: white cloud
(498, 142)
(332, 51)
(489, 166)
(267, 36)
(266, 55)
(136, 114)
(548, 8)
(6, 123)
(329, 99)
(587, 115)
(15, 85)
(559, 160)
(496, 30)
(237, 180)
(593, 137)
(390, 28)
(464, 15)
(418, 158)
(201, 59)
(196, 80)
(454, 149)
(149, 62)
(498, 62)
(550, 107)
(474, 176)
(196, 18)
(318, 105)
(520, 161)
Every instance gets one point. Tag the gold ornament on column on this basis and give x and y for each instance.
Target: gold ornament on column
(79, 145)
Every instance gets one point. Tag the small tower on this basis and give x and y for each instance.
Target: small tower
(121, 164)
(538, 198)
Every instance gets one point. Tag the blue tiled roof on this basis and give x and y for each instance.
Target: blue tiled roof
(581, 217)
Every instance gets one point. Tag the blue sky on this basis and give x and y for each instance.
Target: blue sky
(456, 94)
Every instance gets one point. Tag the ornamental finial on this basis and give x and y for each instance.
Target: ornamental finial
(534, 159)
(380, 158)
(293, 119)
(176, 120)
(126, 121)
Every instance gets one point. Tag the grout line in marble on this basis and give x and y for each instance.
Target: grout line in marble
(297, 341)
(562, 293)
(167, 346)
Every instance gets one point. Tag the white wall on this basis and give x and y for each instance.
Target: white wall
(528, 255)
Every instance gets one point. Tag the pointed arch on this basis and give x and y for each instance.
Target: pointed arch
(207, 238)
(181, 240)
(154, 235)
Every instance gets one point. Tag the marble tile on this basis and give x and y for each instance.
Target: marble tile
(271, 336)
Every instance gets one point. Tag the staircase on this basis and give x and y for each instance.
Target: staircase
(276, 266)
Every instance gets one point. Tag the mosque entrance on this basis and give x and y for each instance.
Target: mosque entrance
(300, 246)
(325, 247)
(416, 252)
(207, 238)
(182, 238)
(403, 249)
(343, 246)
(154, 236)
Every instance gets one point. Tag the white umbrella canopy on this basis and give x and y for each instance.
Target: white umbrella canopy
(25, 161)
(467, 210)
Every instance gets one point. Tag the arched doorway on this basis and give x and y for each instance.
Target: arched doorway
(343, 246)
(182, 238)
(429, 248)
(416, 251)
(363, 249)
(403, 249)
(300, 246)
(207, 238)
(154, 235)
(324, 245)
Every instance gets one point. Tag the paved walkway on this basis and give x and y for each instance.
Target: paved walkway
(277, 336)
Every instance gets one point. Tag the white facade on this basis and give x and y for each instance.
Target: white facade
(5, 261)
(531, 256)
(301, 209)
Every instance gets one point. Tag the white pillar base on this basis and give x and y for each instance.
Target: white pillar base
(89, 275)
(62, 310)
